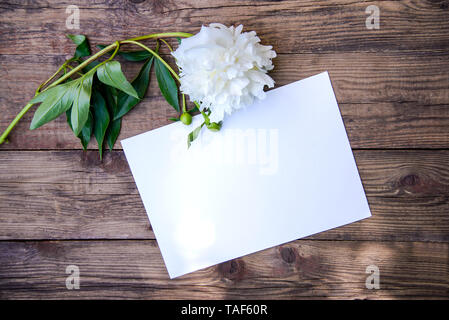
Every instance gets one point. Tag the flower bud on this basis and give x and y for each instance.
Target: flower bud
(214, 126)
(186, 118)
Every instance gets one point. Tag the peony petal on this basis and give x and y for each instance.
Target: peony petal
(224, 68)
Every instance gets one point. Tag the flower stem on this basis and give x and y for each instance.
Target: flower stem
(184, 103)
(155, 55)
(163, 35)
(79, 73)
(168, 46)
(14, 122)
(52, 77)
(206, 118)
(67, 75)
(117, 46)
(84, 64)
(183, 95)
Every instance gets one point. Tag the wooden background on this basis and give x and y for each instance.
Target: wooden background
(60, 206)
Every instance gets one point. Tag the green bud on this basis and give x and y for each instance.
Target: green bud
(186, 118)
(214, 126)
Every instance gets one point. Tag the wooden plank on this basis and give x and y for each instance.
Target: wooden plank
(392, 86)
(71, 195)
(38, 27)
(300, 269)
(387, 100)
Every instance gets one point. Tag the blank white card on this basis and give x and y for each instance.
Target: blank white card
(278, 170)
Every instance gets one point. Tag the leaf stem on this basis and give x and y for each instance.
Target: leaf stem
(84, 64)
(51, 78)
(154, 54)
(183, 95)
(168, 46)
(67, 75)
(162, 35)
(70, 67)
(117, 44)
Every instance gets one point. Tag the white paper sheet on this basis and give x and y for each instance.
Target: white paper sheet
(278, 170)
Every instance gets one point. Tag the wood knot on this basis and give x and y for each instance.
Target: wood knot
(409, 180)
(414, 184)
(232, 270)
(288, 254)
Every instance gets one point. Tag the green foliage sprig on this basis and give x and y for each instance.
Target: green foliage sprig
(96, 95)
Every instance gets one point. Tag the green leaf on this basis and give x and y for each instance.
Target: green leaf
(42, 96)
(113, 132)
(81, 102)
(126, 102)
(86, 132)
(90, 66)
(101, 118)
(167, 84)
(111, 74)
(131, 55)
(110, 95)
(193, 110)
(173, 119)
(82, 49)
(55, 101)
(179, 40)
(193, 135)
(69, 121)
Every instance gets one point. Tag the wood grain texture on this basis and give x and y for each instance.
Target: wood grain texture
(71, 195)
(63, 206)
(300, 269)
(386, 100)
(35, 27)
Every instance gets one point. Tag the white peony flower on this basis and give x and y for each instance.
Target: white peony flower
(224, 69)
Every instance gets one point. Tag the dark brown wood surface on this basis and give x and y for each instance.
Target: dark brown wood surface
(61, 206)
